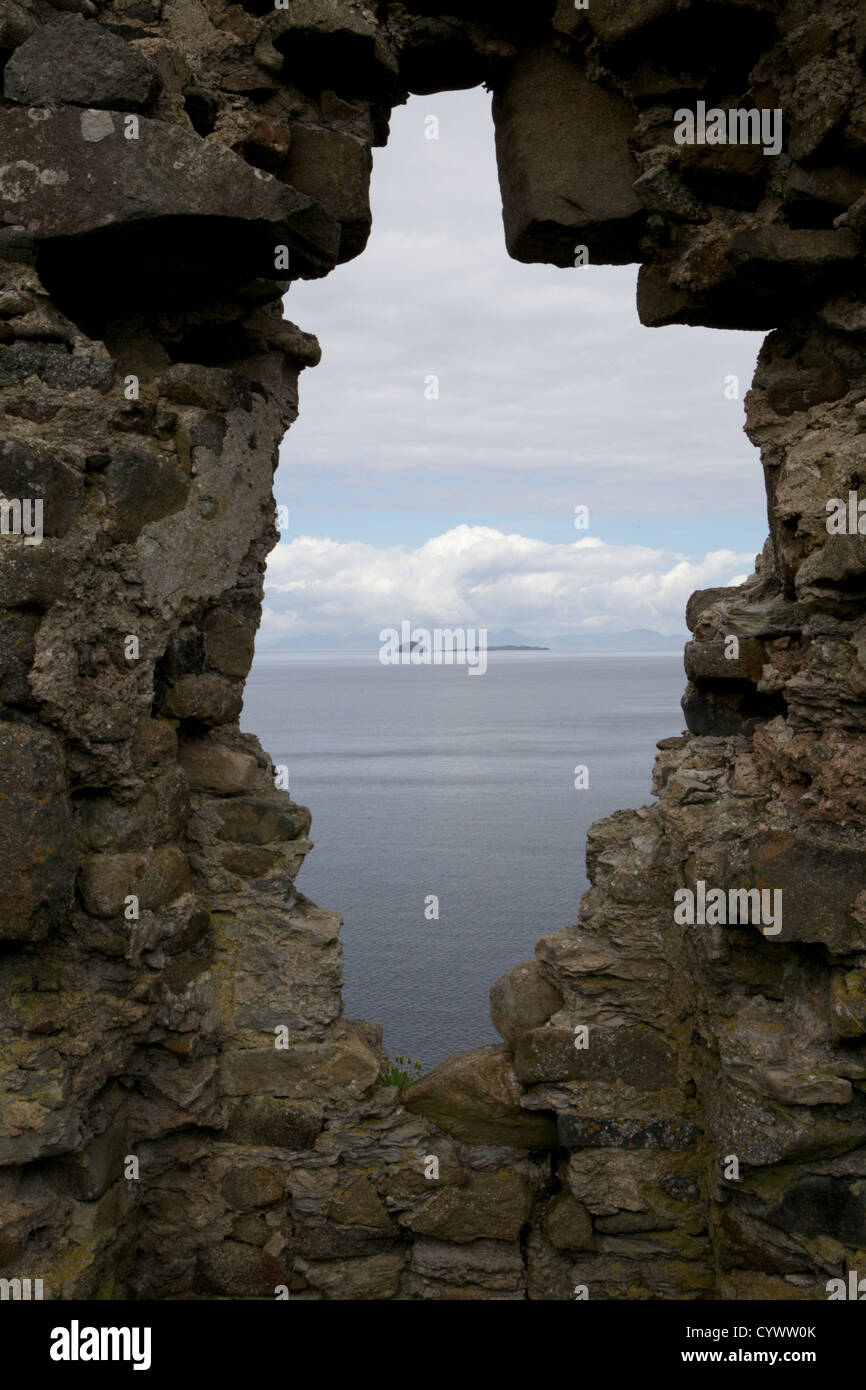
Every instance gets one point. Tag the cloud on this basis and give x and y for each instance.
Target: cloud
(551, 392)
(479, 576)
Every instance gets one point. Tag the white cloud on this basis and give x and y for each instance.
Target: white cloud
(478, 576)
(551, 392)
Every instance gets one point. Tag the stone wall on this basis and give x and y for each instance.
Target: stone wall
(168, 168)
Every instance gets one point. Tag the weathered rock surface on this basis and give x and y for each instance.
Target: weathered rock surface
(165, 172)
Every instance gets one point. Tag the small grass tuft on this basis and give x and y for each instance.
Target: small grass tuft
(402, 1072)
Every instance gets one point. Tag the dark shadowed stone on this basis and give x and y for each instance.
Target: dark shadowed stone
(839, 563)
(159, 814)
(188, 383)
(723, 715)
(31, 576)
(184, 655)
(17, 632)
(436, 56)
(75, 60)
(16, 24)
(660, 190)
(30, 472)
(54, 365)
(744, 1243)
(613, 20)
(256, 821)
(87, 1175)
(36, 850)
(660, 303)
(795, 250)
(731, 174)
(580, 192)
(230, 640)
(143, 486)
(17, 245)
(834, 1207)
(819, 883)
(335, 48)
(475, 1096)
(567, 1224)
(582, 1132)
(803, 387)
(208, 432)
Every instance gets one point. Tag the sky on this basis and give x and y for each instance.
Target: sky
(452, 501)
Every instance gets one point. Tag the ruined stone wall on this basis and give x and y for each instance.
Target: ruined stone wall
(167, 168)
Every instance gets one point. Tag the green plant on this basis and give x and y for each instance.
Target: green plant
(402, 1072)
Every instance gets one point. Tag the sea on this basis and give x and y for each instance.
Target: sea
(449, 833)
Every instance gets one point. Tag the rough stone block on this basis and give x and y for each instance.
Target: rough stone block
(335, 170)
(475, 1096)
(344, 1067)
(156, 879)
(229, 641)
(708, 661)
(211, 766)
(636, 1057)
(373, 1278)
(36, 848)
(76, 60)
(241, 1271)
(142, 486)
(17, 631)
(260, 821)
(32, 472)
(586, 1132)
(273, 1123)
(565, 170)
(328, 45)
(207, 699)
(55, 365)
(567, 1224)
(819, 881)
(167, 172)
(520, 1000)
(492, 1206)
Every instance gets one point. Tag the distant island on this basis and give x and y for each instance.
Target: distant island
(634, 641)
(510, 647)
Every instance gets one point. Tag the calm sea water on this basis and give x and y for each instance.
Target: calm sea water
(425, 780)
